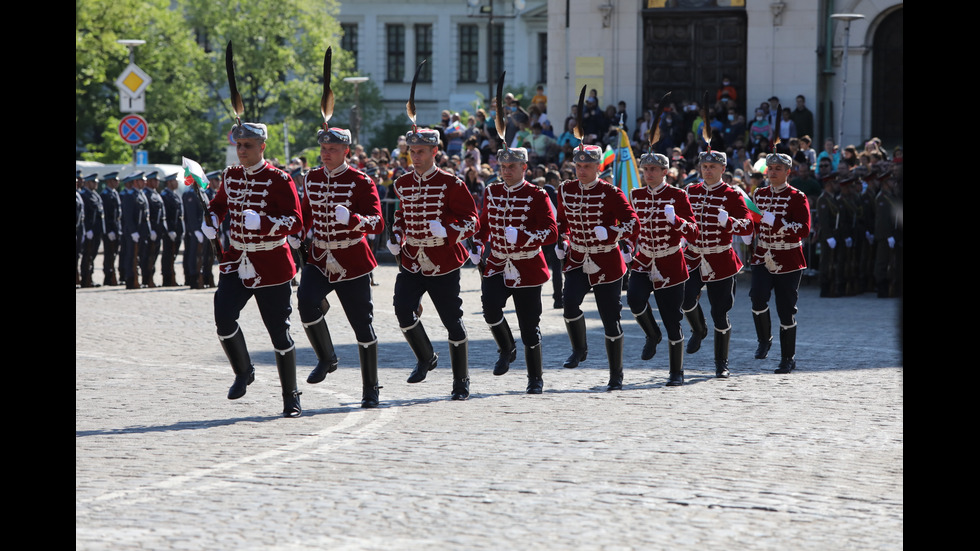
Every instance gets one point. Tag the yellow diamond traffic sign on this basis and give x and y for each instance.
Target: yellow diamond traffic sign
(133, 81)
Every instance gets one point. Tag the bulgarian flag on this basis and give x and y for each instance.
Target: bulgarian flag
(754, 213)
(625, 173)
(607, 158)
(193, 173)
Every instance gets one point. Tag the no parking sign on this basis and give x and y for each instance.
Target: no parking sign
(133, 129)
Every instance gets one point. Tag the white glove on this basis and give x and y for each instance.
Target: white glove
(343, 215)
(437, 228)
(601, 233)
(560, 250)
(768, 218)
(293, 241)
(153, 235)
(891, 242)
(870, 237)
(747, 239)
(209, 231)
(89, 234)
(252, 219)
(173, 235)
(476, 257)
(135, 236)
(112, 236)
(627, 255)
(199, 236)
(510, 234)
(831, 242)
(394, 248)
(669, 213)
(723, 217)
(849, 242)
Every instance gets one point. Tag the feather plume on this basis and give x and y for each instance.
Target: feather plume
(410, 106)
(579, 131)
(237, 105)
(327, 99)
(706, 124)
(775, 131)
(499, 119)
(655, 133)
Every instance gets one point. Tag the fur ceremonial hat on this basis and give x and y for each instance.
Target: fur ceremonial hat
(333, 135)
(512, 155)
(713, 157)
(779, 159)
(655, 159)
(423, 136)
(587, 154)
(250, 130)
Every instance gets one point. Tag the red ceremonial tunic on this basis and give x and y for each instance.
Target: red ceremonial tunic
(658, 250)
(438, 195)
(341, 251)
(527, 208)
(780, 246)
(712, 249)
(580, 210)
(261, 257)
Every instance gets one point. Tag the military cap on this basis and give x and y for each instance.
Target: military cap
(512, 155)
(133, 177)
(713, 157)
(213, 175)
(587, 154)
(423, 136)
(654, 159)
(333, 135)
(169, 177)
(250, 130)
(110, 175)
(93, 177)
(152, 175)
(779, 159)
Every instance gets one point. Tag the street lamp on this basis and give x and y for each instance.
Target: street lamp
(846, 18)
(355, 115)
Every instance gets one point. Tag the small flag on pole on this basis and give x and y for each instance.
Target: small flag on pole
(193, 173)
(625, 174)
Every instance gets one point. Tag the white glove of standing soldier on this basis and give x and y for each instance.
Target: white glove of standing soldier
(831, 242)
(768, 218)
(849, 242)
(560, 250)
(252, 219)
(135, 236)
(209, 231)
(437, 228)
(343, 215)
(393, 244)
(153, 235)
(199, 236)
(669, 213)
(476, 257)
(601, 233)
(112, 236)
(510, 234)
(89, 234)
(293, 241)
(172, 235)
(723, 217)
(891, 242)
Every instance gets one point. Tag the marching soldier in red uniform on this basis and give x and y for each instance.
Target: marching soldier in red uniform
(666, 220)
(720, 213)
(340, 209)
(516, 222)
(778, 262)
(435, 215)
(593, 216)
(262, 204)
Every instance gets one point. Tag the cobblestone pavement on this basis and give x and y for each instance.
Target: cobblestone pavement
(810, 460)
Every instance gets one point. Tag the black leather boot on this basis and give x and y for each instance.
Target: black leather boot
(535, 381)
(286, 364)
(721, 352)
(763, 331)
(241, 364)
(368, 354)
(580, 346)
(459, 356)
(699, 329)
(650, 328)
(422, 347)
(319, 335)
(614, 353)
(787, 348)
(675, 351)
(506, 347)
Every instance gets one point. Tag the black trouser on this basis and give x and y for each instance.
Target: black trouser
(607, 299)
(192, 267)
(554, 266)
(354, 295)
(786, 287)
(444, 292)
(669, 301)
(721, 295)
(527, 303)
(273, 302)
(110, 248)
